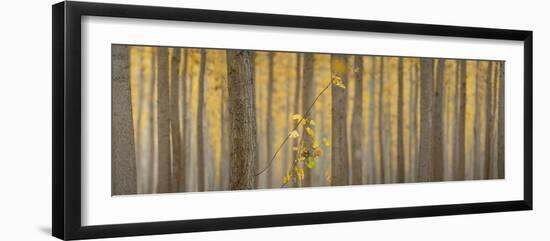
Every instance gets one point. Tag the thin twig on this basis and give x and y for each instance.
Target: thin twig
(306, 115)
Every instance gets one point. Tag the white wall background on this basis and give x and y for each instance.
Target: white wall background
(25, 120)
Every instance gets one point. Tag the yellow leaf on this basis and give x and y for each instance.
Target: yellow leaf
(286, 179)
(318, 152)
(339, 84)
(297, 117)
(310, 132)
(337, 80)
(315, 144)
(310, 163)
(311, 122)
(300, 173)
(326, 142)
(303, 122)
(294, 134)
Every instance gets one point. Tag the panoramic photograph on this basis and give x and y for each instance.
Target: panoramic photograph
(187, 119)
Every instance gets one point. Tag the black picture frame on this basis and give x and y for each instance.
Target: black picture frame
(66, 159)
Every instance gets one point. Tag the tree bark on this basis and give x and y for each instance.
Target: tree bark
(297, 96)
(476, 131)
(324, 161)
(455, 122)
(200, 124)
(426, 131)
(164, 175)
(123, 155)
(151, 127)
(400, 144)
(381, 161)
(175, 118)
(439, 145)
(460, 169)
(268, 118)
(139, 123)
(287, 130)
(185, 125)
(488, 121)
(225, 137)
(244, 149)
(417, 116)
(500, 153)
(357, 124)
(340, 164)
(371, 171)
(412, 122)
(262, 155)
(308, 92)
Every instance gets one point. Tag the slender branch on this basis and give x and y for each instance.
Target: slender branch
(306, 115)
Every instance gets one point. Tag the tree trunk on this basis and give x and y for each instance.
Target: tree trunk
(388, 143)
(185, 126)
(437, 123)
(297, 105)
(445, 125)
(139, 123)
(426, 131)
(417, 141)
(200, 124)
(244, 149)
(259, 129)
(151, 127)
(287, 130)
(455, 122)
(460, 168)
(500, 153)
(308, 92)
(164, 175)
(412, 122)
(381, 161)
(123, 155)
(357, 124)
(400, 144)
(268, 118)
(488, 121)
(449, 132)
(411, 129)
(371, 171)
(175, 118)
(340, 164)
(323, 167)
(225, 137)
(476, 131)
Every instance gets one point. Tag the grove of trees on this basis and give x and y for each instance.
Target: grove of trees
(190, 119)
